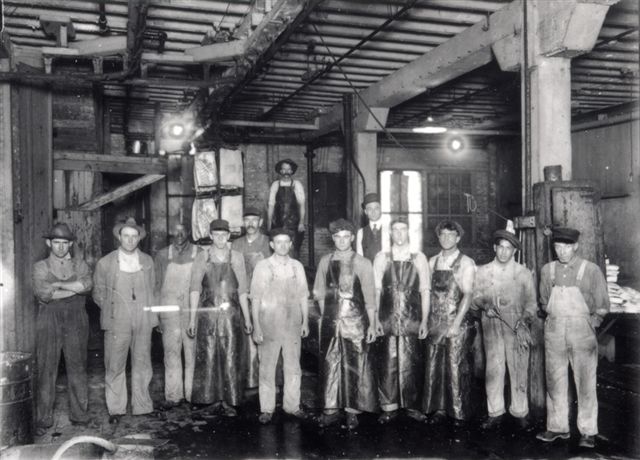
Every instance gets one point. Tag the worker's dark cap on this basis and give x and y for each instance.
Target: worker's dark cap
(251, 211)
(281, 231)
(293, 164)
(399, 220)
(449, 225)
(219, 225)
(507, 236)
(340, 225)
(60, 231)
(565, 235)
(370, 198)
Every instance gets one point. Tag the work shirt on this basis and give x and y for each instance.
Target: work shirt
(272, 269)
(362, 268)
(298, 190)
(253, 251)
(178, 256)
(593, 285)
(398, 254)
(466, 273)
(199, 269)
(63, 270)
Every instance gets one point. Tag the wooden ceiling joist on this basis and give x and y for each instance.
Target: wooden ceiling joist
(118, 192)
(71, 161)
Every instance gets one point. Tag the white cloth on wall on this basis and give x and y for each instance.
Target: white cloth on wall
(231, 211)
(231, 170)
(205, 172)
(203, 212)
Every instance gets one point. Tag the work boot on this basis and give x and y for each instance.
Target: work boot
(387, 416)
(265, 417)
(436, 418)
(352, 421)
(550, 436)
(588, 442)
(416, 415)
(114, 419)
(522, 422)
(326, 420)
(491, 422)
(300, 414)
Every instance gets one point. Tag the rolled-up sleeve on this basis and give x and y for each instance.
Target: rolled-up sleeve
(424, 273)
(599, 292)
(319, 288)
(379, 265)
(197, 272)
(545, 285)
(364, 270)
(529, 303)
(84, 276)
(258, 281)
(42, 288)
(237, 264)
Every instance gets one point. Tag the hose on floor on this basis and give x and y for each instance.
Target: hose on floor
(107, 445)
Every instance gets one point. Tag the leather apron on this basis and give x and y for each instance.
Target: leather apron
(286, 214)
(347, 376)
(449, 374)
(220, 366)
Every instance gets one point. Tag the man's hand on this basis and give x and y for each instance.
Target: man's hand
(301, 228)
(159, 328)
(595, 320)
(491, 312)
(191, 330)
(305, 329)
(422, 332)
(371, 334)
(248, 328)
(258, 338)
(379, 328)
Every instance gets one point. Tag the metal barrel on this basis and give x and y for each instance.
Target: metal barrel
(16, 398)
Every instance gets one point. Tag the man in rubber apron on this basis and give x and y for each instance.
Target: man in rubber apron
(402, 284)
(173, 274)
(345, 293)
(286, 206)
(573, 293)
(218, 301)
(448, 378)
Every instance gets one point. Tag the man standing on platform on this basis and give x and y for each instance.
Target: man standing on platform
(573, 292)
(402, 283)
(254, 246)
(123, 285)
(287, 203)
(61, 283)
(448, 379)
(345, 292)
(373, 237)
(505, 292)
(173, 274)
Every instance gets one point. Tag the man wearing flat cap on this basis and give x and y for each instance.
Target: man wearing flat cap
(60, 284)
(373, 237)
(505, 292)
(219, 319)
(173, 272)
(573, 293)
(345, 293)
(402, 281)
(124, 289)
(286, 207)
(279, 302)
(254, 246)
(448, 378)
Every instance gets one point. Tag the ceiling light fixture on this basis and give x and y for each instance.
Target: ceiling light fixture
(430, 129)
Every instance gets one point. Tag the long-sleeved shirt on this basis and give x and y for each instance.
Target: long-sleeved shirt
(171, 254)
(199, 269)
(272, 268)
(593, 285)
(511, 282)
(402, 253)
(63, 270)
(362, 268)
(253, 251)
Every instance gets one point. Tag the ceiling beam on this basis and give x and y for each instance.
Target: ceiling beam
(91, 162)
(118, 192)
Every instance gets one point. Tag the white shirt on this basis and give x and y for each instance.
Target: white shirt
(384, 236)
(129, 263)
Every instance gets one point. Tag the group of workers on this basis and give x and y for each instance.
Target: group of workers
(396, 329)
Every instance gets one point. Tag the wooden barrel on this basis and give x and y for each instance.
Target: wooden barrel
(16, 400)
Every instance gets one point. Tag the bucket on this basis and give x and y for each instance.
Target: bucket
(16, 399)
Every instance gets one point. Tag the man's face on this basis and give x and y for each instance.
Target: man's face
(60, 247)
(281, 244)
(373, 212)
(252, 224)
(129, 239)
(286, 170)
(220, 238)
(343, 240)
(565, 251)
(400, 234)
(179, 235)
(504, 251)
(448, 239)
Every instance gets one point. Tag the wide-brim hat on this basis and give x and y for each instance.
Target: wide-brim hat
(341, 225)
(60, 231)
(293, 164)
(131, 223)
(219, 225)
(370, 198)
(508, 236)
(565, 235)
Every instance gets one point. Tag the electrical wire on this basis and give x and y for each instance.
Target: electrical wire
(224, 15)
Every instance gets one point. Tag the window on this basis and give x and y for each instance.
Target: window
(401, 195)
(446, 199)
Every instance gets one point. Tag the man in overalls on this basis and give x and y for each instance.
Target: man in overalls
(173, 274)
(60, 284)
(373, 237)
(448, 378)
(219, 302)
(286, 206)
(573, 293)
(402, 285)
(124, 287)
(346, 295)
(505, 292)
(280, 294)
(254, 246)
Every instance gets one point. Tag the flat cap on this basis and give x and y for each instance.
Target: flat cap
(565, 235)
(252, 211)
(281, 231)
(60, 231)
(370, 198)
(507, 236)
(340, 225)
(219, 225)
